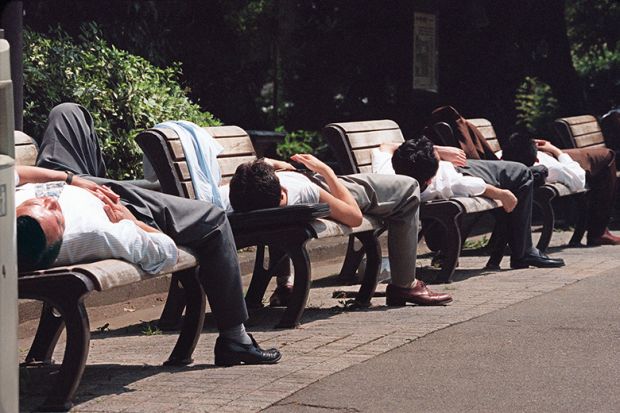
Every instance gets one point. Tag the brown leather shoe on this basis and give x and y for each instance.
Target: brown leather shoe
(606, 239)
(281, 296)
(420, 295)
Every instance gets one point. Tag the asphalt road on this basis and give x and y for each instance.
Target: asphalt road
(557, 352)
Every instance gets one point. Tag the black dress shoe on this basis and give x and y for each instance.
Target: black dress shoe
(230, 353)
(539, 260)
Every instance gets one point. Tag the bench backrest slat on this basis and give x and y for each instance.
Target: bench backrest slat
(353, 142)
(170, 163)
(579, 132)
(486, 129)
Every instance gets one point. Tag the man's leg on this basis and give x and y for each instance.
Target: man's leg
(70, 142)
(600, 167)
(396, 200)
(517, 178)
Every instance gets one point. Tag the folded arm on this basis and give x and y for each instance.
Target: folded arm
(343, 206)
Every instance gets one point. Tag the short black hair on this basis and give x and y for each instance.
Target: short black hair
(520, 147)
(254, 185)
(416, 158)
(33, 252)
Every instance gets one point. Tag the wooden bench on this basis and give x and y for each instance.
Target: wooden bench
(580, 132)
(284, 238)
(353, 142)
(543, 195)
(63, 289)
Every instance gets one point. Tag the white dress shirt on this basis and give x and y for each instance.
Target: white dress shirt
(90, 235)
(446, 183)
(562, 170)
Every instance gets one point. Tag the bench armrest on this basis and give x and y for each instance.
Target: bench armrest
(268, 217)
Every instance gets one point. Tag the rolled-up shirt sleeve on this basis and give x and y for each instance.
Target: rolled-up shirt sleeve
(154, 252)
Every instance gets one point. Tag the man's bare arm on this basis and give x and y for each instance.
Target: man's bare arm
(34, 174)
(507, 198)
(454, 155)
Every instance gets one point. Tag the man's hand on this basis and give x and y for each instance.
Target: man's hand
(312, 163)
(279, 165)
(100, 191)
(456, 156)
(509, 201)
(116, 211)
(546, 146)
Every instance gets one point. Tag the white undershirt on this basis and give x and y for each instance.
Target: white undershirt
(446, 183)
(90, 236)
(562, 170)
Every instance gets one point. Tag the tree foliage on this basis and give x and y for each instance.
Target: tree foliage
(125, 93)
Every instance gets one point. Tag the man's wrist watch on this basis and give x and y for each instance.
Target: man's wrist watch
(69, 177)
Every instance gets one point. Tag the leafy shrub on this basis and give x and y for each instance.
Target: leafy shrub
(124, 93)
(599, 70)
(536, 106)
(301, 141)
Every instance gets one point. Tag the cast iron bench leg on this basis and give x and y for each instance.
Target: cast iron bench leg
(49, 330)
(193, 321)
(498, 241)
(372, 247)
(582, 219)
(278, 265)
(68, 298)
(352, 260)
(295, 248)
(450, 219)
(542, 199)
(171, 315)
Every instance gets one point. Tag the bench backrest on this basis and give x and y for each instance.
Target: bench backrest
(486, 129)
(26, 149)
(164, 150)
(353, 142)
(579, 132)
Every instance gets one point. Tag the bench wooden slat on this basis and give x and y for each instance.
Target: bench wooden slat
(363, 156)
(586, 128)
(182, 171)
(236, 146)
(226, 131)
(229, 165)
(176, 150)
(575, 120)
(367, 169)
(188, 190)
(591, 139)
(480, 122)
(374, 138)
(370, 125)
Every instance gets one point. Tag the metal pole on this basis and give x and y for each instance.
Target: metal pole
(12, 21)
(9, 381)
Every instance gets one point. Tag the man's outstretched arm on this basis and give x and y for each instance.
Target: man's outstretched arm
(35, 174)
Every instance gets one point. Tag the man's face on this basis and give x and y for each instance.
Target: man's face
(47, 212)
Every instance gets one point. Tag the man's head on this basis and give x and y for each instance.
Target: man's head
(255, 186)
(40, 226)
(416, 158)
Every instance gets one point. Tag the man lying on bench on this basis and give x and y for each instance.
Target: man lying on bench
(101, 218)
(266, 183)
(509, 182)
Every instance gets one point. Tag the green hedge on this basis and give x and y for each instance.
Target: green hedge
(125, 93)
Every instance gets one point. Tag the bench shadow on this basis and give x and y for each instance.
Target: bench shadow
(35, 382)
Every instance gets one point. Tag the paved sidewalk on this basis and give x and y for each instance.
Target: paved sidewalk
(124, 371)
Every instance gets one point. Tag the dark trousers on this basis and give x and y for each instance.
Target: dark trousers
(70, 143)
(518, 179)
(600, 167)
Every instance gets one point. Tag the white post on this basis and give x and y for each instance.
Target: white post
(9, 378)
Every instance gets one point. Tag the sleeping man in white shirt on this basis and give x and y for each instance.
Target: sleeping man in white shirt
(94, 225)
(509, 182)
